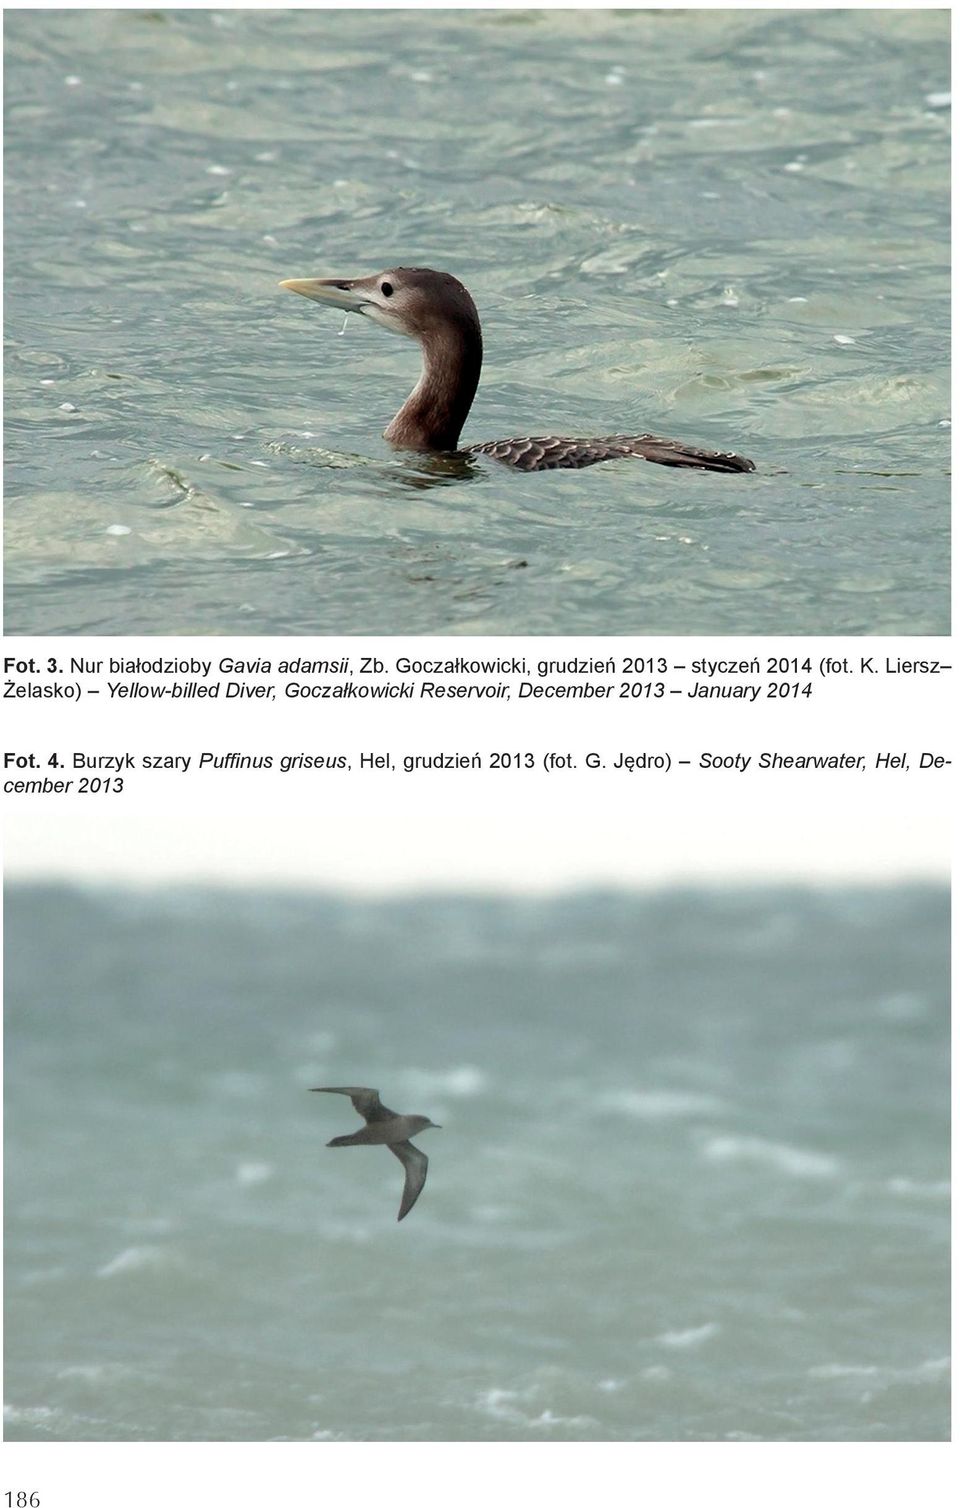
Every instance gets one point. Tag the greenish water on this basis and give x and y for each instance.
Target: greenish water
(728, 227)
(691, 1182)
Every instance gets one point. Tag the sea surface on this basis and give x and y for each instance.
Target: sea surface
(730, 227)
(691, 1181)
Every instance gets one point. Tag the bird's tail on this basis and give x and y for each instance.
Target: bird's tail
(675, 453)
(356, 1140)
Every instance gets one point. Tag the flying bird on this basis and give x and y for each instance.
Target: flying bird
(385, 1128)
(435, 310)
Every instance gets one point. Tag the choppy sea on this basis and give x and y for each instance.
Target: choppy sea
(691, 1182)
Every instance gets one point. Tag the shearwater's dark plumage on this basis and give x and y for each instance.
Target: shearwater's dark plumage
(385, 1128)
(436, 310)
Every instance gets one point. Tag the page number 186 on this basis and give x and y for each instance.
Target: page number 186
(22, 1499)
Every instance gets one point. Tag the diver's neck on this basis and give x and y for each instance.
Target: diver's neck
(436, 410)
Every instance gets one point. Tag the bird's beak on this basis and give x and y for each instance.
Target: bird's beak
(340, 292)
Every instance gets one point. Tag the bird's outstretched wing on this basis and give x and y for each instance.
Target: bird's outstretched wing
(366, 1102)
(415, 1165)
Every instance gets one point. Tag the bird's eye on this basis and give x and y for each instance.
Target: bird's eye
(386, 289)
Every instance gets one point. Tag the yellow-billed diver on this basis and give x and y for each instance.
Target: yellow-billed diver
(436, 310)
(385, 1128)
